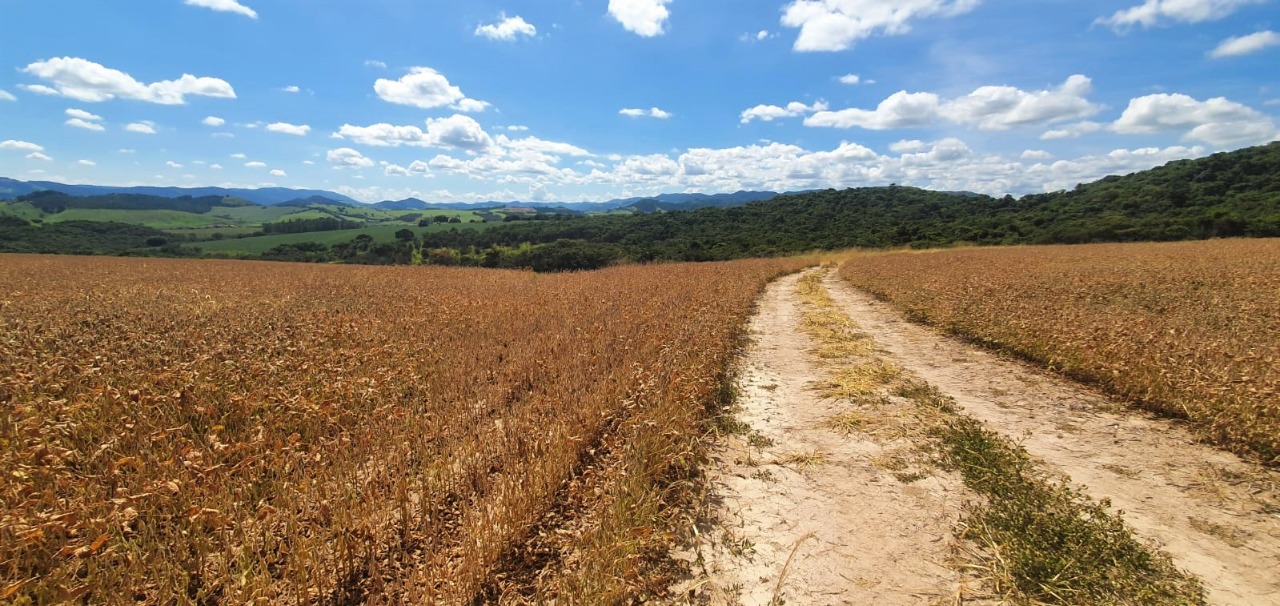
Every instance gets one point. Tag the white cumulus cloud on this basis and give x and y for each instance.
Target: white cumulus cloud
(507, 29)
(1156, 12)
(900, 110)
(39, 156)
(1245, 45)
(213, 121)
(292, 89)
(226, 6)
(836, 25)
(1006, 107)
(652, 112)
(85, 124)
(345, 157)
(768, 113)
(90, 82)
(1072, 131)
(1217, 121)
(297, 130)
(647, 18)
(172, 164)
(86, 163)
(986, 108)
(83, 115)
(850, 79)
(7, 96)
(456, 132)
(278, 173)
(143, 127)
(20, 146)
(425, 88)
(255, 164)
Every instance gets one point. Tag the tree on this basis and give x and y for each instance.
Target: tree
(405, 235)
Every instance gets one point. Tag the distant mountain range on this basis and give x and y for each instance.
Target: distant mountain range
(272, 196)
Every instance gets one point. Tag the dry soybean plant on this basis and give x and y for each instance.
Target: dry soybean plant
(1184, 329)
(238, 432)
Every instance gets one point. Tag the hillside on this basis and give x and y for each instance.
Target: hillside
(1224, 195)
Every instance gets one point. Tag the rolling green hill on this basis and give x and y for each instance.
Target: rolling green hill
(1225, 195)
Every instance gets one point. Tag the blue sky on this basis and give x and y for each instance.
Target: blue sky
(596, 99)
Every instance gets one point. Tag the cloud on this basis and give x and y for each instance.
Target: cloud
(278, 173)
(646, 18)
(768, 113)
(1244, 45)
(238, 156)
(39, 156)
(516, 128)
(457, 131)
(1036, 154)
(255, 164)
(20, 146)
(144, 127)
(1156, 12)
(297, 130)
(345, 157)
(83, 115)
(86, 163)
(213, 121)
(836, 25)
(90, 82)
(507, 30)
(85, 124)
(226, 6)
(850, 79)
(1218, 121)
(986, 108)
(906, 146)
(85, 120)
(1072, 131)
(652, 112)
(172, 164)
(425, 88)
(900, 110)
(1006, 107)
(292, 88)
(472, 106)
(375, 63)
(7, 96)
(540, 146)
(215, 167)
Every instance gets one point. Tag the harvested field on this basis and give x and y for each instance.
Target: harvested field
(1189, 330)
(231, 432)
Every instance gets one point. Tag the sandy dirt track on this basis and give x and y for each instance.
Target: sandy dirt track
(1213, 513)
(806, 514)
(859, 536)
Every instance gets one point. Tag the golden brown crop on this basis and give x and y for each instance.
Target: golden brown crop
(1186, 329)
(229, 432)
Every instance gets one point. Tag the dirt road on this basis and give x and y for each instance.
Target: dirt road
(807, 516)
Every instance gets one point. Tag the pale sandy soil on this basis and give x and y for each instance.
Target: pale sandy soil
(859, 536)
(1216, 515)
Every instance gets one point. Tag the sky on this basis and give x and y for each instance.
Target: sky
(576, 100)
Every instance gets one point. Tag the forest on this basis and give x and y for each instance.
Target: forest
(1234, 194)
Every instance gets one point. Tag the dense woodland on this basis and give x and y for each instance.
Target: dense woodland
(1225, 195)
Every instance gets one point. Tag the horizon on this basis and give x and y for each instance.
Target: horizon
(597, 101)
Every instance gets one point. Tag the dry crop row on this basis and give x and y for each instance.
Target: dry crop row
(1186, 329)
(230, 432)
